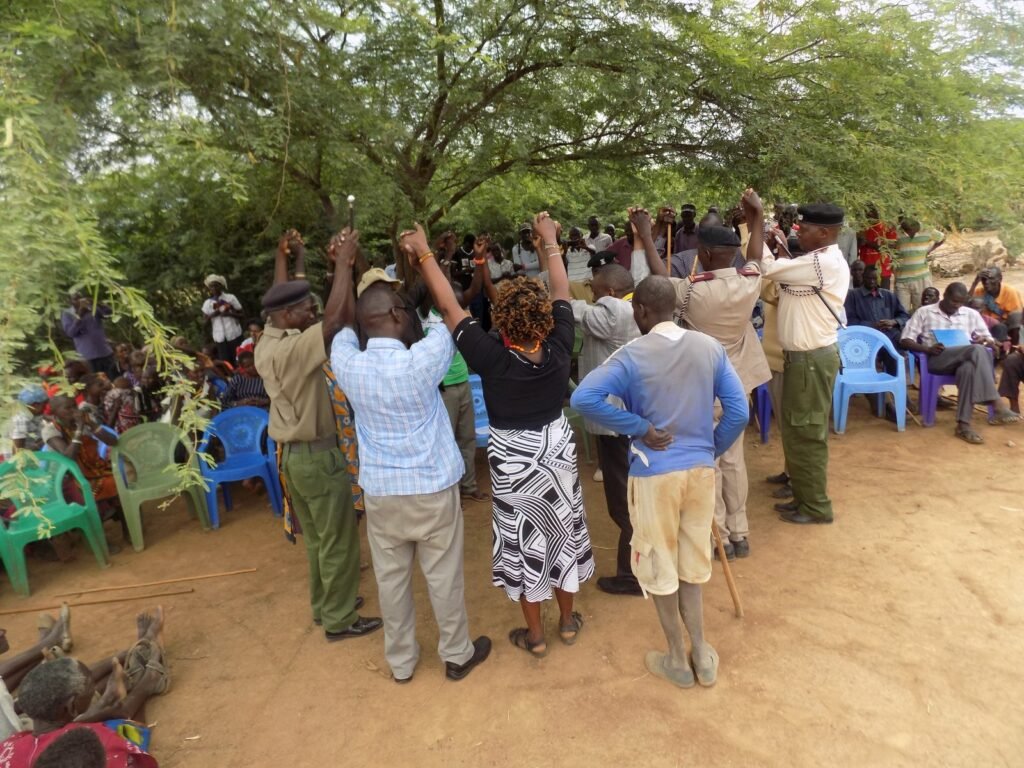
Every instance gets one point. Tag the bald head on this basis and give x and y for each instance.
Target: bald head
(612, 280)
(380, 312)
(654, 301)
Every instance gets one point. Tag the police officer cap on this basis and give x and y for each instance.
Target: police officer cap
(600, 259)
(285, 295)
(822, 214)
(713, 235)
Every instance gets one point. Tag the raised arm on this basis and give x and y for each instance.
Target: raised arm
(481, 271)
(545, 234)
(340, 311)
(413, 243)
(640, 220)
(289, 244)
(754, 211)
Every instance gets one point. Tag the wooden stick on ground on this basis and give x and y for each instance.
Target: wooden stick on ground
(159, 583)
(99, 602)
(727, 571)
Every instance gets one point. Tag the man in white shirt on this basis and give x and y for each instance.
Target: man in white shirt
(813, 288)
(222, 310)
(524, 256)
(970, 363)
(577, 257)
(596, 239)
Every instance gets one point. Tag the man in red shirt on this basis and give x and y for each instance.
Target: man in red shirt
(875, 246)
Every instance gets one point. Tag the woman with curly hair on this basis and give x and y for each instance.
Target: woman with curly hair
(541, 541)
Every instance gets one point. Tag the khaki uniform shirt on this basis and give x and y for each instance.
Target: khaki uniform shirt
(292, 366)
(719, 303)
(805, 323)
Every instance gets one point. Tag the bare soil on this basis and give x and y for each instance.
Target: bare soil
(891, 638)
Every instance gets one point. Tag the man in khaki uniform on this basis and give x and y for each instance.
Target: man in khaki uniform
(290, 357)
(719, 303)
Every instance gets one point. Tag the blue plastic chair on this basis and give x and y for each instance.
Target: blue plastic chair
(931, 383)
(102, 448)
(859, 347)
(481, 422)
(41, 483)
(248, 452)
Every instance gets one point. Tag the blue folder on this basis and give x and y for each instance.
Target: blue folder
(951, 337)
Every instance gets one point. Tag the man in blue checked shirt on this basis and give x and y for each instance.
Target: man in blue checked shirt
(409, 468)
(668, 381)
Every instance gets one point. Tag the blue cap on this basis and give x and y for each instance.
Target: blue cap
(32, 395)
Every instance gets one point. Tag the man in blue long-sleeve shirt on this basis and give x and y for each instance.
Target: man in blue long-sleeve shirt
(668, 381)
(85, 329)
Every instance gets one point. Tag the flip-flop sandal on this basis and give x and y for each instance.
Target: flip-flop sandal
(969, 436)
(655, 663)
(707, 676)
(139, 655)
(1004, 418)
(572, 630)
(65, 638)
(520, 638)
(157, 664)
(44, 623)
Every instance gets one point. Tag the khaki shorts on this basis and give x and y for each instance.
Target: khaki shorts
(671, 516)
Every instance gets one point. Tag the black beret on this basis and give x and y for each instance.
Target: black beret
(601, 258)
(822, 214)
(285, 295)
(713, 235)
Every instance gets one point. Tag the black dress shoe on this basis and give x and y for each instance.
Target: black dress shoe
(788, 506)
(481, 650)
(402, 680)
(780, 479)
(730, 552)
(783, 492)
(364, 625)
(800, 518)
(742, 548)
(619, 585)
(359, 604)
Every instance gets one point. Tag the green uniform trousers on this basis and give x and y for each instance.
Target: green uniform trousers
(807, 383)
(321, 496)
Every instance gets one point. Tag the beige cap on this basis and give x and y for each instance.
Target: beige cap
(211, 279)
(375, 275)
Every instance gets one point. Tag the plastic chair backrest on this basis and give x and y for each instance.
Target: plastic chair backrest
(150, 448)
(45, 478)
(476, 386)
(240, 430)
(859, 347)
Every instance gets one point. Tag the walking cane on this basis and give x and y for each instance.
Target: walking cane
(668, 251)
(727, 570)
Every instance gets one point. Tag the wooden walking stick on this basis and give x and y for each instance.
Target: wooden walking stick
(727, 571)
(668, 251)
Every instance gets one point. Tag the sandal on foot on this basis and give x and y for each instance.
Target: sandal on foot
(139, 656)
(520, 638)
(569, 633)
(969, 436)
(156, 663)
(657, 665)
(1001, 419)
(707, 675)
(65, 639)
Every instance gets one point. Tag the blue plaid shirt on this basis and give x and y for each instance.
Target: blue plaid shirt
(406, 444)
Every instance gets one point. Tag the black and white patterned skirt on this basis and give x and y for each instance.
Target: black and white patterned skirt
(540, 528)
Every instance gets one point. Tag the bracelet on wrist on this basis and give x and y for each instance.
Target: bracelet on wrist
(76, 441)
(330, 275)
(427, 255)
(299, 275)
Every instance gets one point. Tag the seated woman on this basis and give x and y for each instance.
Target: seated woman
(75, 432)
(59, 697)
(246, 386)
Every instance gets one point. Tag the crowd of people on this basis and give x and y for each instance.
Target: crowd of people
(657, 338)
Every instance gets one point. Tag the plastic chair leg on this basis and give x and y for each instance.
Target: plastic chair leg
(211, 504)
(133, 517)
(271, 486)
(227, 496)
(17, 572)
(199, 507)
(93, 530)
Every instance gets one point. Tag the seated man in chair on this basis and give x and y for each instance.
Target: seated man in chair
(971, 364)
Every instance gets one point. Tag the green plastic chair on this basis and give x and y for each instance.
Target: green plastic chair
(150, 449)
(575, 419)
(45, 488)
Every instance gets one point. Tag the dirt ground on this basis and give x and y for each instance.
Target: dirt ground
(890, 638)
